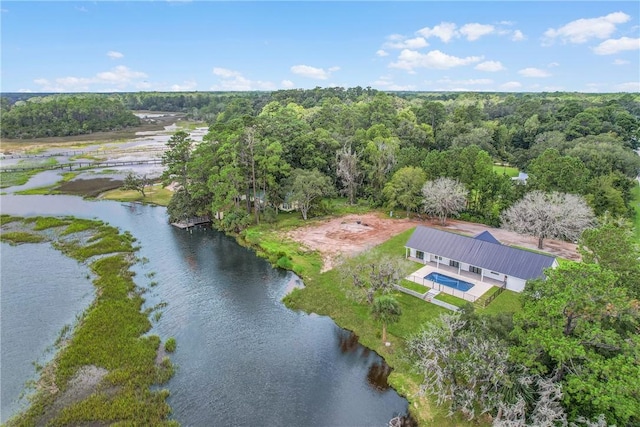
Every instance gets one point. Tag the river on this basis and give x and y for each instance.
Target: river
(243, 358)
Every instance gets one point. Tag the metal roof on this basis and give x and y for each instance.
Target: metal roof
(480, 253)
(485, 236)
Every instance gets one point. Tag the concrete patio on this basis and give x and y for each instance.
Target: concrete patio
(478, 289)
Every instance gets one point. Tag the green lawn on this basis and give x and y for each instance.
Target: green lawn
(414, 286)
(458, 302)
(155, 194)
(506, 170)
(507, 301)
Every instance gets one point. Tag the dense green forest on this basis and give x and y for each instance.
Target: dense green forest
(359, 139)
(64, 115)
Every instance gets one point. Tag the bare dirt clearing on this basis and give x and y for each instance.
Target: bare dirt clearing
(352, 234)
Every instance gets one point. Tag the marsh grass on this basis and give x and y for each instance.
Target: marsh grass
(10, 179)
(49, 189)
(43, 223)
(170, 345)
(6, 219)
(18, 237)
(109, 335)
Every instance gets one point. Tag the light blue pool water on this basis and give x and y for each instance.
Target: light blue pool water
(445, 280)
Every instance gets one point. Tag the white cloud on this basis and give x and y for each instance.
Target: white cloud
(553, 64)
(445, 31)
(313, 72)
(611, 46)
(385, 83)
(582, 30)
(114, 54)
(400, 42)
(234, 81)
(628, 87)
(287, 84)
(593, 87)
(118, 78)
(3, 10)
(490, 66)
(467, 82)
(82, 9)
(553, 89)
(186, 86)
(517, 36)
(225, 73)
(620, 62)
(534, 72)
(381, 52)
(475, 31)
(120, 75)
(410, 59)
(511, 85)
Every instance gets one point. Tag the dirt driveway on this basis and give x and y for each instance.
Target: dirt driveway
(351, 234)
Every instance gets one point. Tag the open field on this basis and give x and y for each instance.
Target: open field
(351, 234)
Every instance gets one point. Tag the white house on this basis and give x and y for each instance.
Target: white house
(482, 256)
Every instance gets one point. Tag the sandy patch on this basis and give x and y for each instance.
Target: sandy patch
(352, 234)
(82, 385)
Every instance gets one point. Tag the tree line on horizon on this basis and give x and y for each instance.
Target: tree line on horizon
(369, 146)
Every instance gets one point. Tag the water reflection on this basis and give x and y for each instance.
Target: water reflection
(243, 358)
(377, 376)
(348, 341)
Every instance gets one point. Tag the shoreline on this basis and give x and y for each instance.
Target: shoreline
(86, 378)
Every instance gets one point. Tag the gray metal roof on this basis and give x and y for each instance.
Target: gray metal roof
(487, 237)
(486, 255)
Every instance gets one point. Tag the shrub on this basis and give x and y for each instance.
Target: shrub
(285, 263)
(170, 345)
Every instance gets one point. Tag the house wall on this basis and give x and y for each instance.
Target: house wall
(515, 284)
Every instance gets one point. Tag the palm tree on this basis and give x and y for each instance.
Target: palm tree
(387, 310)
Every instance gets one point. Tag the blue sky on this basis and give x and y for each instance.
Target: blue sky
(61, 46)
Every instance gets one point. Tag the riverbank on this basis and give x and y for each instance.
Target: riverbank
(104, 369)
(327, 293)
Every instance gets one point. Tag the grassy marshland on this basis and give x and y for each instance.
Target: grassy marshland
(104, 372)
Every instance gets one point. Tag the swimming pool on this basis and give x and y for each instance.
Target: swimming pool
(445, 280)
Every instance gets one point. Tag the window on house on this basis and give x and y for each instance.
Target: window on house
(419, 254)
(439, 258)
(476, 270)
(453, 263)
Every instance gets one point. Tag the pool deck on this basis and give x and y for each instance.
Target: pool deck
(478, 289)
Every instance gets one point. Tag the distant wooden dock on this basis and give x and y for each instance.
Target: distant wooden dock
(192, 222)
(82, 165)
